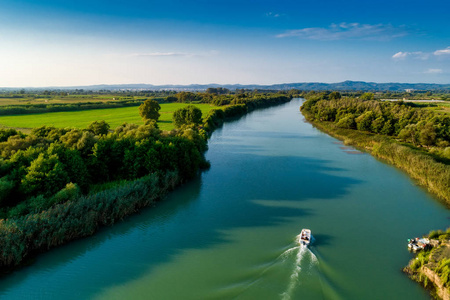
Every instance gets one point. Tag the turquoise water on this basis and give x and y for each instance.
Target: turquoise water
(231, 233)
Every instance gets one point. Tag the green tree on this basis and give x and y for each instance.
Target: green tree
(377, 124)
(149, 110)
(334, 95)
(171, 99)
(45, 176)
(367, 96)
(5, 133)
(6, 187)
(364, 121)
(187, 115)
(98, 127)
(71, 138)
(409, 134)
(347, 122)
(388, 128)
(427, 136)
(186, 97)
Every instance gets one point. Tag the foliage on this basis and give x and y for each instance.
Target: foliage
(186, 116)
(149, 110)
(187, 97)
(64, 107)
(410, 124)
(440, 234)
(23, 236)
(98, 127)
(5, 133)
(421, 259)
(443, 270)
(217, 91)
(335, 95)
(367, 96)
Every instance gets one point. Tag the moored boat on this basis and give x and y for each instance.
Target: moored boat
(417, 244)
(305, 237)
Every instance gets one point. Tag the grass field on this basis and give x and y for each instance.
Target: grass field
(81, 119)
(68, 99)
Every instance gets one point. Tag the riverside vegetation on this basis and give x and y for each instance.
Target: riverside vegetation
(414, 139)
(60, 184)
(411, 138)
(431, 267)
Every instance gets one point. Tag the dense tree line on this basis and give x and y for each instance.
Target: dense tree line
(400, 120)
(34, 168)
(216, 117)
(31, 93)
(378, 95)
(59, 107)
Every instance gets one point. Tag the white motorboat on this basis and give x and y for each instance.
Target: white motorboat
(305, 237)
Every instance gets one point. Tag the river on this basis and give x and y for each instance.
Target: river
(231, 233)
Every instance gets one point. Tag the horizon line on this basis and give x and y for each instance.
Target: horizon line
(211, 84)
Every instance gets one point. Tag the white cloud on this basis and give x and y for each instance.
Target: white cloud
(434, 71)
(273, 15)
(400, 55)
(420, 55)
(416, 55)
(442, 51)
(342, 31)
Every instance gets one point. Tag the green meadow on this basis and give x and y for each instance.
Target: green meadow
(81, 119)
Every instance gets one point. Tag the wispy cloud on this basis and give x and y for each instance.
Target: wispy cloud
(346, 31)
(442, 52)
(274, 15)
(434, 71)
(421, 55)
(416, 55)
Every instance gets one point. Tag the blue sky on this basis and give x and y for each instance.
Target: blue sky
(63, 43)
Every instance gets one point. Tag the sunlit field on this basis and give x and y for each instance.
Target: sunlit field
(81, 119)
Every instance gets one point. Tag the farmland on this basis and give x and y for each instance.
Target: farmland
(81, 119)
(39, 98)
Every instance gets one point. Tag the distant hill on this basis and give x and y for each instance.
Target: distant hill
(306, 86)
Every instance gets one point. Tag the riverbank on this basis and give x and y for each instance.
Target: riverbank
(25, 236)
(421, 166)
(431, 268)
(429, 173)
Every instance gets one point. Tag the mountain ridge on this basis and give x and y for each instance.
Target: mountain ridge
(347, 85)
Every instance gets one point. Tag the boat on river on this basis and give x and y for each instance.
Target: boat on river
(417, 244)
(305, 237)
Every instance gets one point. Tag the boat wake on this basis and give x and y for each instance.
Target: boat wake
(304, 261)
(298, 262)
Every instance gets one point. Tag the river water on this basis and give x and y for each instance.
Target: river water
(231, 233)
